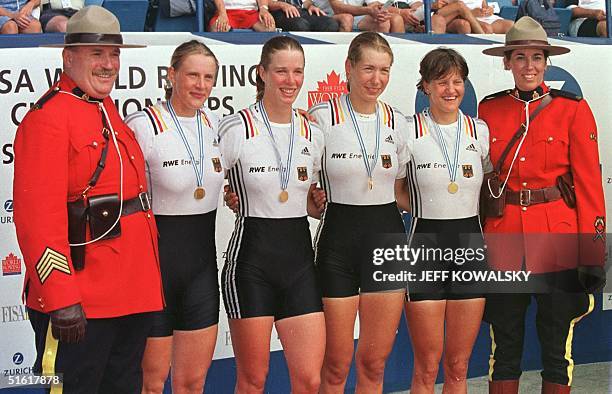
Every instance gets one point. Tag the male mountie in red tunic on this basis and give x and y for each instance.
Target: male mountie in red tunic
(57, 149)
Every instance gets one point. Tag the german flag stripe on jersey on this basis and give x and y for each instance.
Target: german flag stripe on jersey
(304, 127)
(154, 119)
(420, 125)
(470, 126)
(249, 123)
(337, 113)
(205, 119)
(388, 115)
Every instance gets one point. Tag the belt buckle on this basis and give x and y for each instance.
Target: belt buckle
(145, 203)
(525, 197)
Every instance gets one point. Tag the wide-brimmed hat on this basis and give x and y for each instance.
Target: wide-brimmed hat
(93, 26)
(526, 33)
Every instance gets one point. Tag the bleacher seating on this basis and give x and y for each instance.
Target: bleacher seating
(186, 23)
(131, 13)
(509, 11)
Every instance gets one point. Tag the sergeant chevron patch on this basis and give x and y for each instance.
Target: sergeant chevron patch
(49, 261)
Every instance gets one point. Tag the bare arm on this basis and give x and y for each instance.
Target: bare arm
(316, 201)
(402, 195)
(5, 12)
(290, 10)
(340, 7)
(579, 12)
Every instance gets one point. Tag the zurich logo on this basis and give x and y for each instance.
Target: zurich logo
(8, 205)
(17, 358)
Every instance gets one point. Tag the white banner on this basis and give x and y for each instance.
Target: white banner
(25, 74)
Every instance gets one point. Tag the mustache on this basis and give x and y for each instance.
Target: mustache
(105, 72)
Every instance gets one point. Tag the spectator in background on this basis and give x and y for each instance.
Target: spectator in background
(16, 17)
(452, 18)
(490, 22)
(55, 14)
(295, 15)
(411, 12)
(366, 15)
(241, 14)
(459, 18)
(588, 19)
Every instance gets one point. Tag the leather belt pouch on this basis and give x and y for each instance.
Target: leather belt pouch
(494, 207)
(565, 183)
(77, 227)
(103, 212)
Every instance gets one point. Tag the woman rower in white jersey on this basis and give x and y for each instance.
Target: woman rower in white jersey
(179, 140)
(273, 155)
(363, 174)
(449, 154)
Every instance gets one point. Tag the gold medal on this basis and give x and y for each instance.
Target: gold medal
(452, 188)
(199, 193)
(283, 196)
(370, 183)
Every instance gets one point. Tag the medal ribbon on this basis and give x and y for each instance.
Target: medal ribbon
(452, 167)
(199, 168)
(285, 169)
(369, 165)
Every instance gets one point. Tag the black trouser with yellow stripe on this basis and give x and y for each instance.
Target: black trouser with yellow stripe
(106, 361)
(555, 319)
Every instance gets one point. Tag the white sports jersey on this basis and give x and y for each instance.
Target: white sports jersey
(343, 172)
(248, 151)
(172, 178)
(240, 4)
(428, 176)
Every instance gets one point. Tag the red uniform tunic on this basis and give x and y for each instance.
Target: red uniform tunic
(561, 139)
(57, 149)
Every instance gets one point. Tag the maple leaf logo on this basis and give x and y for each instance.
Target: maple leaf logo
(327, 89)
(11, 265)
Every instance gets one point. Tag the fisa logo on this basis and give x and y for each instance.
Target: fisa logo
(11, 265)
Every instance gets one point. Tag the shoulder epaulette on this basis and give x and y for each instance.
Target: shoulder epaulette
(46, 97)
(155, 117)
(497, 94)
(565, 94)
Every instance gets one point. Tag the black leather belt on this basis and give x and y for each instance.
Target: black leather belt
(140, 203)
(527, 197)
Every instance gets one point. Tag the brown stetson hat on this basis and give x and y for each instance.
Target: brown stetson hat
(526, 33)
(93, 26)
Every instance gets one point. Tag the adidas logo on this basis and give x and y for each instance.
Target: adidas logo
(389, 139)
(471, 147)
(305, 151)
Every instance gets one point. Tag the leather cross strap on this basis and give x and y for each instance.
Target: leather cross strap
(527, 197)
(545, 101)
(102, 162)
